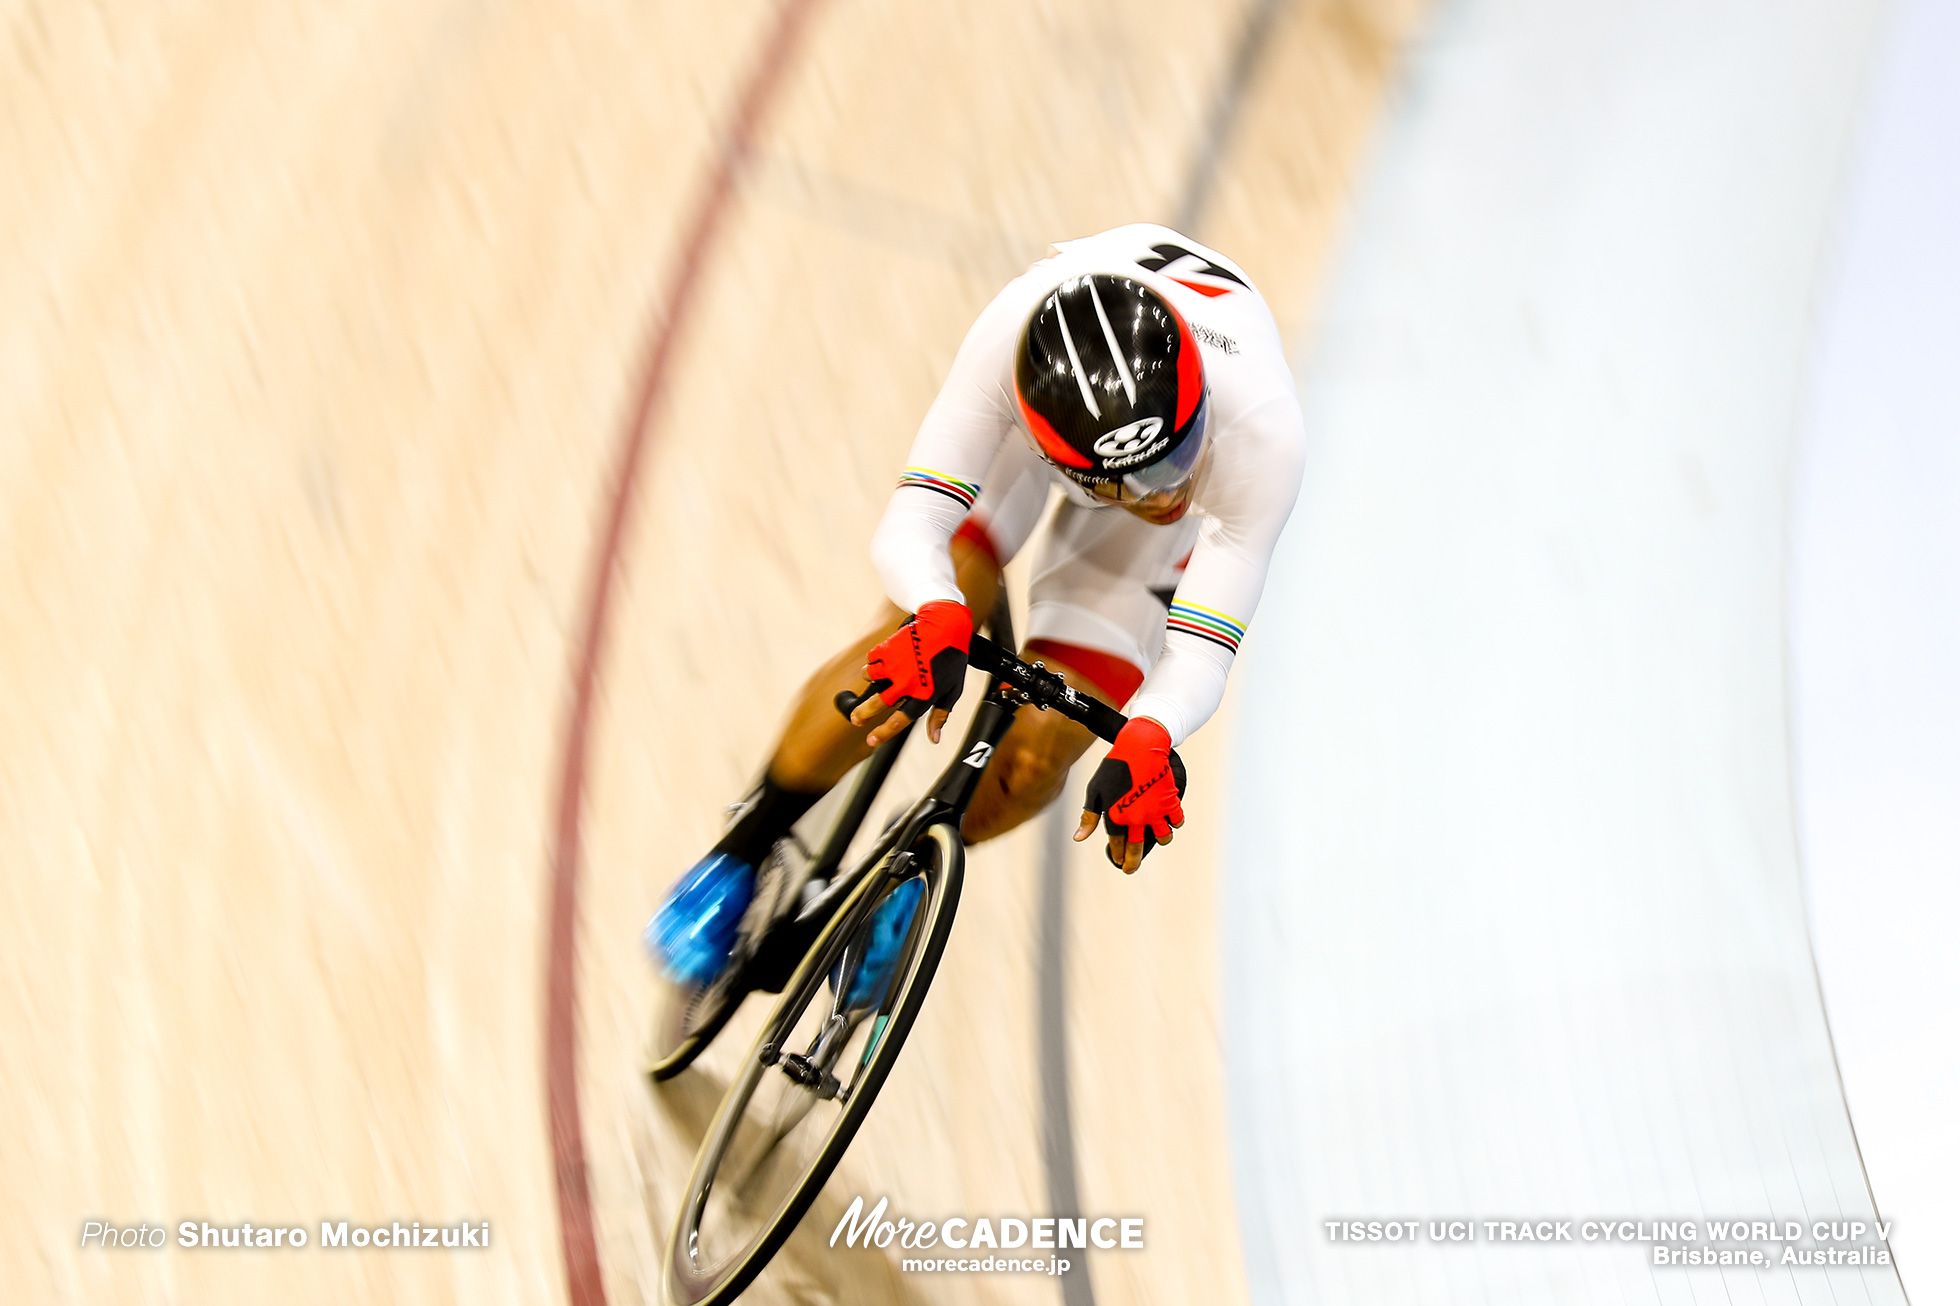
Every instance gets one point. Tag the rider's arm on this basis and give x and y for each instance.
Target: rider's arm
(1248, 500)
(953, 450)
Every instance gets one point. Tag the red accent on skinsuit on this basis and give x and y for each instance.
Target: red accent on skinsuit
(975, 532)
(1116, 678)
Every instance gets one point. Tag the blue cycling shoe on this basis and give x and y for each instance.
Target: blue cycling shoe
(691, 935)
(889, 926)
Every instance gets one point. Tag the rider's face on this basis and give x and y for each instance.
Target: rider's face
(1161, 509)
(1157, 509)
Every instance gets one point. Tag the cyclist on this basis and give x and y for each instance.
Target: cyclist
(1145, 377)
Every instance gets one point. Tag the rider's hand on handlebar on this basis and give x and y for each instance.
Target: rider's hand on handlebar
(896, 722)
(922, 664)
(1137, 791)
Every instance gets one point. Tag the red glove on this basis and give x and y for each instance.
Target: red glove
(923, 664)
(1138, 786)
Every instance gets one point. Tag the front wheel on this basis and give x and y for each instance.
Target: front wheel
(808, 1081)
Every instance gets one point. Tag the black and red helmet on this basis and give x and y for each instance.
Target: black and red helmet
(1111, 387)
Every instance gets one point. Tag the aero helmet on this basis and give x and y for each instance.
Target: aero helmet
(1109, 382)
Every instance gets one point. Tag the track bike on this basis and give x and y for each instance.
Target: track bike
(851, 953)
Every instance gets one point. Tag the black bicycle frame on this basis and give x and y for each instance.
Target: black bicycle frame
(1014, 684)
(863, 793)
(945, 803)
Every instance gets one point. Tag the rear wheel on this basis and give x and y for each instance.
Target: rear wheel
(808, 1081)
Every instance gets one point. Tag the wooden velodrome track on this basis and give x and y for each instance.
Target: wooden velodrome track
(323, 329)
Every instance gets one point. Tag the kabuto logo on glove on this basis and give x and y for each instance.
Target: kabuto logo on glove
(923, 663)
(1139, 787)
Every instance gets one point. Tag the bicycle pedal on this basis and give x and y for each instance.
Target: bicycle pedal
(812, 1076)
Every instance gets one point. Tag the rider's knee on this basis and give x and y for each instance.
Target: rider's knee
(1023, 778)
(1031, 776)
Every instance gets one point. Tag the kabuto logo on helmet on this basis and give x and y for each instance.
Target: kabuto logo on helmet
(1126, 440)
(1139, 458)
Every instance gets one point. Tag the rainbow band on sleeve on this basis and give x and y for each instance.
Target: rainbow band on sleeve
(950, 486)
(1206, 624)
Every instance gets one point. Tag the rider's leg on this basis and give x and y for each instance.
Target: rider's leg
(694, 929)
(818, 745)
(1032, 763)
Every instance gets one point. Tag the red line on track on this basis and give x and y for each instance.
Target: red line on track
(583, 1283)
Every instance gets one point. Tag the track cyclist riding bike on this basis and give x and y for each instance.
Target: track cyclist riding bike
(1144, 375)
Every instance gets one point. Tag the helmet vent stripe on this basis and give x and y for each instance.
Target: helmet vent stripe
(1075, 360)
(1115, 350)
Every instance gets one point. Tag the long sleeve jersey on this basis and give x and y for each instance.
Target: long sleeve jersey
(1247, 482)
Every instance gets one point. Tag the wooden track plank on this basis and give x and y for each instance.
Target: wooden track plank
(321, 319)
